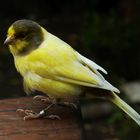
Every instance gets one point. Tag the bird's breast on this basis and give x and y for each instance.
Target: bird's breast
(51, 87)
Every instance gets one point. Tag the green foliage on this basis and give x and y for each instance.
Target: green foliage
(110, 31)
(125, 128)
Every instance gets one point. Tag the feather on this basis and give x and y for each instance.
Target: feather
(126, 108)
(90, 63)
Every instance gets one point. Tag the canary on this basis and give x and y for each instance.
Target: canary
(49, 65)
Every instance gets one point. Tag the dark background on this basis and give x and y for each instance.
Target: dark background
(105, 31)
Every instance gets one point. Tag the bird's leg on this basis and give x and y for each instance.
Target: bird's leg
(46, 99)
(52, 116)
(29, 114)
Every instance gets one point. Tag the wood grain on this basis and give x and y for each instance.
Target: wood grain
(13, 127)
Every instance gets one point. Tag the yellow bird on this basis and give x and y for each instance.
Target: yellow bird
(53, 67)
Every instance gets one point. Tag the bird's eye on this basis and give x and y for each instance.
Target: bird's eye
(21, 35)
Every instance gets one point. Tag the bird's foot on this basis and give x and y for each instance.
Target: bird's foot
(30, 114)
(43, 99)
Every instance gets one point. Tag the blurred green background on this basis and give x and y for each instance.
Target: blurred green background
(107, 32)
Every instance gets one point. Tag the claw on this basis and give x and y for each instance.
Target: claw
(28, 114)
(20, 111)
(25, 112)
(53, 117)
(30, 117)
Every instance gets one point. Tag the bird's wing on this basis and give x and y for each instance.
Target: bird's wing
(90, 63)
(85, 72)
(60, 62)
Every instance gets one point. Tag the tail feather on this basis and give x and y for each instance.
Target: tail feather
(126, 108)
(111, 96)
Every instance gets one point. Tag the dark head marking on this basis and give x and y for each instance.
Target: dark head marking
(25, 27)
(30, 32)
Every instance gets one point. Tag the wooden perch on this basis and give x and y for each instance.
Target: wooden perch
(13, 127)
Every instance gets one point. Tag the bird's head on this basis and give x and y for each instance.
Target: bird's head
(24, 36)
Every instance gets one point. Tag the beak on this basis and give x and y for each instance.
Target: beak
(8, 41)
